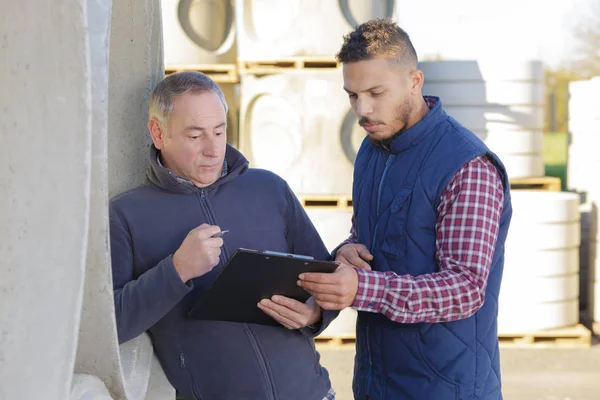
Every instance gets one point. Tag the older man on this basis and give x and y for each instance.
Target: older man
(165, 253)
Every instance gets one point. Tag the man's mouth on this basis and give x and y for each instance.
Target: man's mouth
(370, 127)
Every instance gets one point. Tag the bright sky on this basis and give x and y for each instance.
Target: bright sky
(457, 29)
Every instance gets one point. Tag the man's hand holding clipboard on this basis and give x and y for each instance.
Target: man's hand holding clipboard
(338, 290)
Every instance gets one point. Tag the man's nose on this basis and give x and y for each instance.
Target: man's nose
(363, 107)
(210, 148)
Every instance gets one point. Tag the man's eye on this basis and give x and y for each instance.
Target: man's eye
(219, 133)
(194, 137)
(376, 94)
(352, 95)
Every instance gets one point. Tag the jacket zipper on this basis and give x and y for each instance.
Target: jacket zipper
(261, 361)
(204, 204)
(191, 375)
(379, 190)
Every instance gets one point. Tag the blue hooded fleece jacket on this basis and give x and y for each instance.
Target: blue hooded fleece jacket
(212, 360)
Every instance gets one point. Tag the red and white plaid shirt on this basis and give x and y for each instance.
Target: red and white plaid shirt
(468, 220)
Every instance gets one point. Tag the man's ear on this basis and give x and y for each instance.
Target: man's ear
(416, 79)
(156, 132)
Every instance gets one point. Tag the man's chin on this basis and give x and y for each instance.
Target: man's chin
(379, 137)
(205, 180)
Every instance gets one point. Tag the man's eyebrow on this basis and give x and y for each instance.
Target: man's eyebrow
(203, 129)
(366, 90)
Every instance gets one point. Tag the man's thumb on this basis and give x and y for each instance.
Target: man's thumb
(364, 253)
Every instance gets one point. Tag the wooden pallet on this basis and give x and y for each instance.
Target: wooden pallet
(577, 336)
(286, 64)
(335, 341)
(544, 183)
(330, 201)
(220, 73)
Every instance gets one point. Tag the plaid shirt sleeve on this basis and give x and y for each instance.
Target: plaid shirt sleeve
(468, 220)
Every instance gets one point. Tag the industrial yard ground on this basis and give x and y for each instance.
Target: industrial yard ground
(527, 374)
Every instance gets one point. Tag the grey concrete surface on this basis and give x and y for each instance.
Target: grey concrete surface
(120, 100)
(45, 131)
(532, 374)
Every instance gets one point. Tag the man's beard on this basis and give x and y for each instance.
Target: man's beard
(402, 115)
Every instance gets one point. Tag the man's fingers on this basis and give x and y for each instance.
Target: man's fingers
(318, 288)
(207, 231)
(326, 297)
(364, 253)
(283, 321)
(341, 258)
(319, 277)
(277, 312)
(358, 262)
(214, 242)
(281, 310)
(292, 304)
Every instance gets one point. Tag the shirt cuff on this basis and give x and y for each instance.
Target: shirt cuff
(371, 288)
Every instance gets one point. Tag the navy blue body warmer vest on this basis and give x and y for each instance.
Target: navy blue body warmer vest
(396, 193)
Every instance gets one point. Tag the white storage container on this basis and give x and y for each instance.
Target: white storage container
(271, 30)
(198, 32)
(300, 125)
(500, 101)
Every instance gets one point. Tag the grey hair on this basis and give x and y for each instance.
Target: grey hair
(177, 84)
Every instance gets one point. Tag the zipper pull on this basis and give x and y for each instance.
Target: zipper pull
(181, 361)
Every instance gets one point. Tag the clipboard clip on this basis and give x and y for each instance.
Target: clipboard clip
(277, 253)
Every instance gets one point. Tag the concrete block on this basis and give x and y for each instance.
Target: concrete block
(45, 127)
(136, 66)
(88, 387)
(120, 116)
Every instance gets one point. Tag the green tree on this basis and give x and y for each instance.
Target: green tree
(587, 35)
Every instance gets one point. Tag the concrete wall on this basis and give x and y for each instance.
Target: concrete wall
(128, 64)
(74, 133)
(45, 130)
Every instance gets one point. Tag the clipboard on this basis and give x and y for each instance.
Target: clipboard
(250, 276)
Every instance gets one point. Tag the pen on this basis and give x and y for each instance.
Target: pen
(220, 234)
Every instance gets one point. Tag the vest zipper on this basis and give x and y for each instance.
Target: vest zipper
(385, 171)
(370, 374)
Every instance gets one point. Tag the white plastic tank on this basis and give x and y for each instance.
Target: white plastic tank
(582, 177)
(232, 97)
(501, 101)
(299, 124)
(333, 225)
(198, 32)
(540, 284)
(275, 29)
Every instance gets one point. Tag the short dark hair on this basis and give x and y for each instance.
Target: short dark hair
(378, 38)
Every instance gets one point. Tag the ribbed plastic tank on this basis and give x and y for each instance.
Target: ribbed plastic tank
(271, 30)
(540, 285)
(198, 32)
(300, 126)
(582, 177)
(501, 101)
